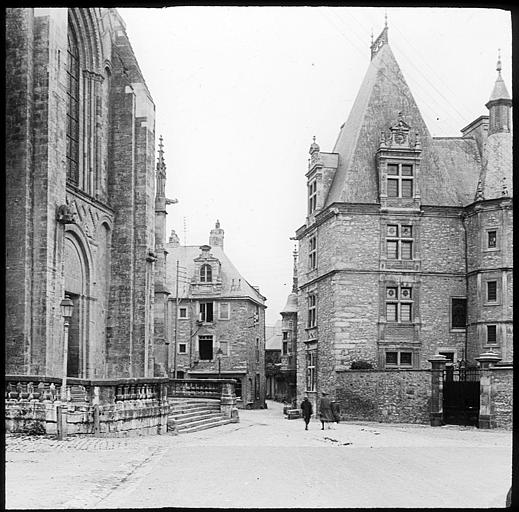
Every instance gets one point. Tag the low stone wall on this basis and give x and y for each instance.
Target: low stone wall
(502, 395)
(102, 407)
(398, 396)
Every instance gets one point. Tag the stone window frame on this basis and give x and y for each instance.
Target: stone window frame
(496, 333)
(201, 318)
(220, 317)
(399, 302)
(311, 311)
(492, 278)
(225, 343)
(312, 196)
(312, 252)
(182, 352)
(399, 239)
(452, 328)
(485, 239)
(311, 369)
(399, 178)
(398, 353)
(180, 309)
(206, 338)
(206, 273)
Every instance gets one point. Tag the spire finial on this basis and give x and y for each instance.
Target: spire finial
(371, 36)
(385, 19)
(217, 225)
(294, 277)
(498, 66)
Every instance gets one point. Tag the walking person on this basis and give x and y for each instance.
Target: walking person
(307, 410)
(325, 410)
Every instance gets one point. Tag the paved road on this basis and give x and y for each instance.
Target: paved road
(267, 461)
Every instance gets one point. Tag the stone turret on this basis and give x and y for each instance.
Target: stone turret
(216, 236)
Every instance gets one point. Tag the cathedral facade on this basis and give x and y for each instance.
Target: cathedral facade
(406, 251)
(80, 192)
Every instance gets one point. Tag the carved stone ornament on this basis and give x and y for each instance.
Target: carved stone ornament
(400, 132)
(65, 215)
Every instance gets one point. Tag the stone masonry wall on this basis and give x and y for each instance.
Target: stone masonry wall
(502, 396)
(392, 396)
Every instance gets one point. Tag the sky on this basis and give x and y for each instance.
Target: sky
(241, 91)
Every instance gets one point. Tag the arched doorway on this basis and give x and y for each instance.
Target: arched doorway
(76, 278)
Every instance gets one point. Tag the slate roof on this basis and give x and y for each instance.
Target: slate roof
(186, 255)
(383, 94)
(291, 305)
(273, 339)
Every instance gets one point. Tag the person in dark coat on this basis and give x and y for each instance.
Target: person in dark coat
(306, 408)
(325, 410)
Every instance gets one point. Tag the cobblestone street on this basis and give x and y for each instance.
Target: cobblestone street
(264, 461)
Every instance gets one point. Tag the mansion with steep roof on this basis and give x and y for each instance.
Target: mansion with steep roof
(406, 250)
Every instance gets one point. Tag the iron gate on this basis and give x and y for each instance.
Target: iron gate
(461, 396)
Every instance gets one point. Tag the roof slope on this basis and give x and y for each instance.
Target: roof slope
(383, 94)
(186, 255)
(459, 156)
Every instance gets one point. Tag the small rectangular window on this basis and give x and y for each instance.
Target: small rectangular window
(491, 334)
(392, 169)
(405, 312)
(407, 188)
(182, 312)
(391, 312)
(407, 250)
(312, 301)
(311, 360)
(285, 348)
(182, 348)
(285, 335)
(392, 250)
(206, 311)
(392, 188)
(491, 291)
(407, 170)
(224, 311)
(312, 253)
(458, 313)
(492, 239)
(392, 358)
(406, 359)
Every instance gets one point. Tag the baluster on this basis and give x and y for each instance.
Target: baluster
(52, 392)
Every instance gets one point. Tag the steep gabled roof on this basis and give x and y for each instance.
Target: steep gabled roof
(233, 283)
(383, 95)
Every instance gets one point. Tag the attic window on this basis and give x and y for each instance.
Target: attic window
(400, 180)
(206, 273)
(312, 196)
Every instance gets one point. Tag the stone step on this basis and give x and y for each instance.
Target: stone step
(180, 409)
(203, 425)
(190, 418)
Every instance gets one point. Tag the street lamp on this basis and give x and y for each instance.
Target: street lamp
(219, 354)
(67, 307)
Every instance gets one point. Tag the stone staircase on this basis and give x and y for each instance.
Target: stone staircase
(194, 414)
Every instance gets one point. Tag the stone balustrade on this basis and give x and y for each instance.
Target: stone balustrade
(198, 388)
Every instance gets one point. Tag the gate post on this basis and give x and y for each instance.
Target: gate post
(438, 366)
(486, 404)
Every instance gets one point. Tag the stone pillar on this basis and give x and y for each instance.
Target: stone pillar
(438, 366)
(486, 404)
(163, 408)
(228, 402)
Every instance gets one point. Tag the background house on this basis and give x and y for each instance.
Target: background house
(218, 321)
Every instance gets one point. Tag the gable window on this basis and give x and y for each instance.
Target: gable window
(206, 273)
(312, 196)
(491, 334)
(491, 291)
(399, 304)
(72, 71)
(312, 306)
(399, 240)
(225, 311)
(205, 347)
(206, 311)
(312, 253)
(458, 313)
(398, 359)
(492, 239)
(311, 360)
(400, 180)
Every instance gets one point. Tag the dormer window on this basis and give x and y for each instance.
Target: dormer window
(206, 273)
(399, 180)
(312, 196)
